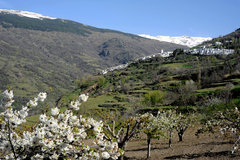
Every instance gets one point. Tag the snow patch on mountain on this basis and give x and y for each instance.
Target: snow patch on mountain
(25, 14)
(183, 40)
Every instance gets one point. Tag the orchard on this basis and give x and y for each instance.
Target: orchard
(62, 135)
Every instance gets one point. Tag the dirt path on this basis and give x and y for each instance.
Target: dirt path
(89, 89)
(206, 147)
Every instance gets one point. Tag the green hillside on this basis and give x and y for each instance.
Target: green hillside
(229, 41)
(180, 81)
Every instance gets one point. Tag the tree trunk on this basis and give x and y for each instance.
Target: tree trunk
(170, 139)
(180, 136)
(123, 148)
(149, 146)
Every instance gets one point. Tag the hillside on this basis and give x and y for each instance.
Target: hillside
(189, 83)
(186, 81)
(36, 54)
(229, 41)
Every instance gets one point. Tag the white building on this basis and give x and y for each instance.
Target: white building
(122, 66)
(217, 43)
(201, 50)
(210, 51)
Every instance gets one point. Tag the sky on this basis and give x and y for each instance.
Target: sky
(195, 18)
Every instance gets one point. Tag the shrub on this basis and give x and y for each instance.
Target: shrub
(153, 97)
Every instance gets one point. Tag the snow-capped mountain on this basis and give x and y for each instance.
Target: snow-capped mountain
(25, 14)
(183, 40)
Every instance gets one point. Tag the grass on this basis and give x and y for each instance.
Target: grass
(139, 91)
(143, 143)
(210, 89)
(234, 80)
(187, 66)
(160, 107)
(141, 70)
(32, 120)
(175, 65)
(92, 103)
(169, 82)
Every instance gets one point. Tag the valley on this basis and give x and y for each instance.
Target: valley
(125, 92)
(36, 54)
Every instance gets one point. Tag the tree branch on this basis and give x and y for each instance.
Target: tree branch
(9, 136)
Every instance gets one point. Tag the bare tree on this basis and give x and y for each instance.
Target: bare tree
(227, 92)
(185, 91)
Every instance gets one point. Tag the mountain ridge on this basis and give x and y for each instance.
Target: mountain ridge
(35, 20)
(182, 40)
(26, 14)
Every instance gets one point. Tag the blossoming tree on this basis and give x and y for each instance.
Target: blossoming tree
(152, 126)
(118, 128)
(169, 118)
(59, 135)
(183, 123)
(227, 122)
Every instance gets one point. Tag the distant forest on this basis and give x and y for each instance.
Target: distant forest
(12, 20)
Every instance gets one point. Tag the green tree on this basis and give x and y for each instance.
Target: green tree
(80, 83)
(153, 97)
(185, 92)
(123, 80)
(213, 59)
(177, 52)
(83, 80)
(199, 73)
(101, 81)
(233, 40)
(216, 40)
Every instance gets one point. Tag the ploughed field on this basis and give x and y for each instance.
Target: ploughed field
(206, 147)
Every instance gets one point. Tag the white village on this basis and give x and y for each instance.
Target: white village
(202, 50)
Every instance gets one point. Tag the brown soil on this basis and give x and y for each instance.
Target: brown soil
(206, 147)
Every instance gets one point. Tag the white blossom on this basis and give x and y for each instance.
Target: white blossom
(23, 113)
(32, 103)
(54, 111)
(105, 155)
(54, 156)
(43, 118)
(54, 135)
(74, 105)
(83, 97)
(8, 94)
(42, 96)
